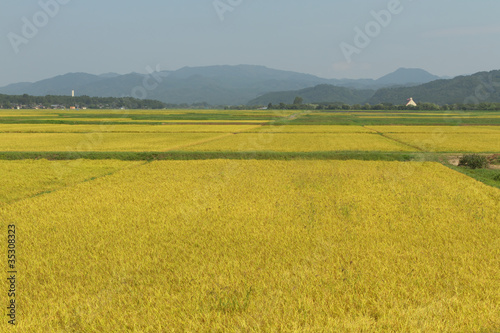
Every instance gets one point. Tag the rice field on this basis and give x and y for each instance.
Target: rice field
(301, 142)
(311, 129)
(97, 141)
(142, 116)
(451, 142)
(219, 241)
(218, 122)
(384, 118)
(432, 130)
(262, 246)
(104, 128)
(28, 178)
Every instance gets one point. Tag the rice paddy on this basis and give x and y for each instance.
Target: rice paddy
(302, 142)
(452, 142)
(338, 235)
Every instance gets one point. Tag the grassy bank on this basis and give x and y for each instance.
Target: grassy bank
(487, 176)
(182, 155)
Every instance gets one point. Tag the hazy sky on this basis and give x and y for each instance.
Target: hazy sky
(445, 37)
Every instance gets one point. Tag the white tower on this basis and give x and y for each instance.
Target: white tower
(72, 93)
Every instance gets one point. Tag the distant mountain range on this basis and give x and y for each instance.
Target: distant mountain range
(220, 85)
(482, 87)
(476, 88)
(324, 93)
(258, 85)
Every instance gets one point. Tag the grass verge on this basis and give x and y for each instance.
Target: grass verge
(486, 176)
(182, 155)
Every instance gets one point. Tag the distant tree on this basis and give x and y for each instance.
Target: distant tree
(26, 99)
(429, 106)
(298, 100)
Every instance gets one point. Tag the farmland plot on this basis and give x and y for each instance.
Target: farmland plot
(265, 246)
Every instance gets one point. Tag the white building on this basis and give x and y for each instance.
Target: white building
(411, 102)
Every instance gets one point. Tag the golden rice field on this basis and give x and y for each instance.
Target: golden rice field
(28, 178)
(231, 138)
(226, 245)
(218, 122)
(433, 130)
(301, 142)
(140, 115)
(105, 128)
(260, 246)
(450, 142)
(312, 129)
(103, 120)
(92, 121)
(89, 121)
(80, 142)
(124, 118)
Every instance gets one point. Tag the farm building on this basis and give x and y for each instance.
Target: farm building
(411, 102)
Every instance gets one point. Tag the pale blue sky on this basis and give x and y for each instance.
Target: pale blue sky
(445, 37)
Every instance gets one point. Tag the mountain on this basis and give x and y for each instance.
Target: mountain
(59, 85)
(216, 85)
(16, 88)
(479, 87)
(117, 86)
(407, 76)
(476, 88)
(323, 93)
(109, 75)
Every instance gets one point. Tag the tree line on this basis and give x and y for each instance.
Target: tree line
(58, 102)
(297, 105)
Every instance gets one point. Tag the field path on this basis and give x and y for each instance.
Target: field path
(210, 139)
(392, 139)
(59, 170)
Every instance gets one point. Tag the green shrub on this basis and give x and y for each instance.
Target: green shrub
(473, 161)
(494, 159)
